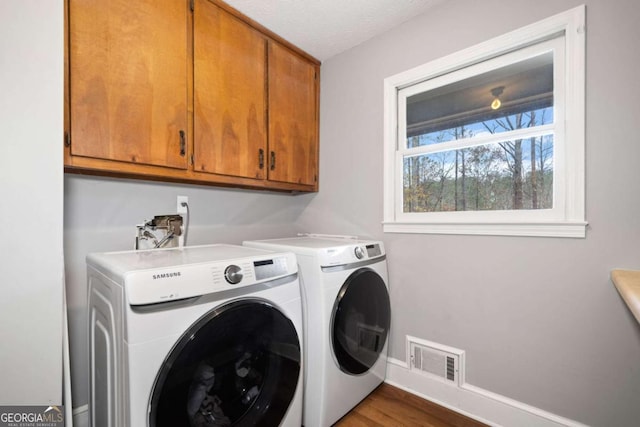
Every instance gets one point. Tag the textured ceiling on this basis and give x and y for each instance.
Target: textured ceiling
(324, 28)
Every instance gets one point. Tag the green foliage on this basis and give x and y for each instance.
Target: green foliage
(479, 178)
(507, 175)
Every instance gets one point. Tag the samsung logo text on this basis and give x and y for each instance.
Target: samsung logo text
(166, 275)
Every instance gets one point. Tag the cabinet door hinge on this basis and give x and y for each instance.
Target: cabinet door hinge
(192, 5)
(67, 139)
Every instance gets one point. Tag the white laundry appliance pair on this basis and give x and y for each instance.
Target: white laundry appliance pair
(195, 337)
(347, 314)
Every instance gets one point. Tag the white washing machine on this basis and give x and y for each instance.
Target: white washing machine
(347, 317)
(194, 337)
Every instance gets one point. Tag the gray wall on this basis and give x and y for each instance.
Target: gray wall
(101, 214)
(31, 65)
(538, 317)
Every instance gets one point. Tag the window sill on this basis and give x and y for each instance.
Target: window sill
(571, 229)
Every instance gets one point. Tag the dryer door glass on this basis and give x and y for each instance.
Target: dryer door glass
(360, 321)
(239, 364)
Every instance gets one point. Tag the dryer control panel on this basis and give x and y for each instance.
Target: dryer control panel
(349, 254)
(330, 251)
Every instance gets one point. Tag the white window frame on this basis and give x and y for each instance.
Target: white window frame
(564, 34)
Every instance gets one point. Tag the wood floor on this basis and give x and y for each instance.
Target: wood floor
(389, 406)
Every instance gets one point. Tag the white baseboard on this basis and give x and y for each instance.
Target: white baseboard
(472, 401)
(81, 416)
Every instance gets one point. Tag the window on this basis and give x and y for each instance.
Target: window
(490, 140)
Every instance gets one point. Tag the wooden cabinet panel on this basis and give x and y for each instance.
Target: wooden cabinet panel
(138, 75)
(128, 81)
(229, 94)
(293, 117)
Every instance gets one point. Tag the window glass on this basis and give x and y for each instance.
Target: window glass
(483, 170)
(507, 98)
(502, 176)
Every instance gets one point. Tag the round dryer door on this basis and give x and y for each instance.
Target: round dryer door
(360, 321)
(238, 365)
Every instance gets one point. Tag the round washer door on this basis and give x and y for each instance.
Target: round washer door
(360, 321)
(238, 365)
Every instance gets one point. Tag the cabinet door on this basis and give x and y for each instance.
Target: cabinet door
(293, 128)
(229, 94)
(128, 80)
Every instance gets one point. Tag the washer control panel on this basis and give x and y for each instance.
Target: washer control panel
(373, 250)
(150, 286)
(268, 268)
(233, 274)
(250, 271)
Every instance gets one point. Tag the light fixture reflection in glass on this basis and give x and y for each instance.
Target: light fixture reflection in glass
(496, 92)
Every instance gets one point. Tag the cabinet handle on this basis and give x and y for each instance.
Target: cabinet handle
(261, 158)
(183, 143)
(272, 165)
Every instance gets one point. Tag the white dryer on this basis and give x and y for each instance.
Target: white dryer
(347, 317)
(195, 337)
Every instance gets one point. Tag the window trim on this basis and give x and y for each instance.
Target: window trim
(569, 219)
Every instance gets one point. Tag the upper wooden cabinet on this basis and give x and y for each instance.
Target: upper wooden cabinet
(293, 124)
(128, 81)
(230, 111)
(191, 92)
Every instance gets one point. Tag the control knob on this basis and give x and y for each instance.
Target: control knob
(233, 274)
(359, 252)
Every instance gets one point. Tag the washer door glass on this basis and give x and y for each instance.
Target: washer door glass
(238, 365)
(360, 321)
